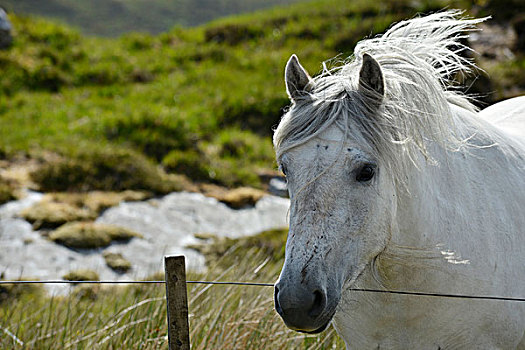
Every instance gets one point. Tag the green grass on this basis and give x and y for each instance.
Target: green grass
(200, 102)
(134, 317)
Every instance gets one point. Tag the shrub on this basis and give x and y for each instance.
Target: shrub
(18, 292)
(190, 163)
(96, 201)
(105, 170)
(47, 214)
(152, 134)
(102, 73)
(117, 262)
(232, 34)
(6, 191)
(86, 235)
(259, 115)
(81, 275)
(269, 243)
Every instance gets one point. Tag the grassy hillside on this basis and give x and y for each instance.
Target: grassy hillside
(114, 17)
(200, 102)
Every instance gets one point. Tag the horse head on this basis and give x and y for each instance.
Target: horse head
(342, 195)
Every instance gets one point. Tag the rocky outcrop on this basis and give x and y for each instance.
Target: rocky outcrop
(6, 39)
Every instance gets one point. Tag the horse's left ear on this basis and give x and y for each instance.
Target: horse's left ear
(371, 81)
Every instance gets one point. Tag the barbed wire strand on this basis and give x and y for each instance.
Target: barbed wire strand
(257, 284)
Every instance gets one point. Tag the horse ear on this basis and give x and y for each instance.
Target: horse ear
(371, 79)
(298, 81)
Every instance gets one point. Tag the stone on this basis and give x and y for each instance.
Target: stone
(277, 186)
(6, 39)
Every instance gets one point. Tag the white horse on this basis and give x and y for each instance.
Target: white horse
(397, 182)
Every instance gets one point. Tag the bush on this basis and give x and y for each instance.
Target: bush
(230, 159)
(86, 235)
(81, 275)
(105, 170)
(47, 214)
(152, 134)
(232, 34)
(12, 292)
(6, 192)
(269, 243)
(190, 163)
(96, 201)
(117, 262)
(259, 115)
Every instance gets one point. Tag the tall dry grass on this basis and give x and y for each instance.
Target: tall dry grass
(134, 317)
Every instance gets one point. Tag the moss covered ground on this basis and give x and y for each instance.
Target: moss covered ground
(88, 235)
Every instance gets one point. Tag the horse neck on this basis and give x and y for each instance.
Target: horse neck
(442, 202)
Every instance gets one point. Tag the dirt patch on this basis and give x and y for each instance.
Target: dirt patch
(237, 198)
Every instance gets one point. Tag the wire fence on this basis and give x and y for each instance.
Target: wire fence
(258, 284)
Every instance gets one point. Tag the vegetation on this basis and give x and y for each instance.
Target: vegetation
(87, 235)
(6, 191)
(117, 262)
(113, 17)
(47, 214)
(237, 198)
(151, 114)
(96, 201)
(107, 170)
(198, 102)
(19, 293)
(81, 275)
(134, 317)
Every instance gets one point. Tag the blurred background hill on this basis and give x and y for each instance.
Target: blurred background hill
(115, 17)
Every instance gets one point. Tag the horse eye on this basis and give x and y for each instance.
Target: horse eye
(366, 173)
(283, 169)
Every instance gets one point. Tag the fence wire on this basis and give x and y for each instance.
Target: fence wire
(257, 284)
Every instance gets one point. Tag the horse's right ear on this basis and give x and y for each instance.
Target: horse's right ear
(298, 81)
(371, 82)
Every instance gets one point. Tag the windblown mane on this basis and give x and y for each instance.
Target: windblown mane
(419, 59)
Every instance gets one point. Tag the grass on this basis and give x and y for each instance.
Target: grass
(134, 317)
(199, 102)
(117, 262)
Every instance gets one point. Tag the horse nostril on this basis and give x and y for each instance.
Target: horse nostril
(318, 305)
(276, 300)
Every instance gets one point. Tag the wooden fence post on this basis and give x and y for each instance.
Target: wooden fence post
(177, 300)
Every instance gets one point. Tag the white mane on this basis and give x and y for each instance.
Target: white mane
(419, 59)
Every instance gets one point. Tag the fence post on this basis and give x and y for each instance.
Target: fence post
(177, 302)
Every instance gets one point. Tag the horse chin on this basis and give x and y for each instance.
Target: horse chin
(318, 330)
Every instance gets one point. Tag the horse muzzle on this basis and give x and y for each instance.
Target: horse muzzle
(303, 309)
